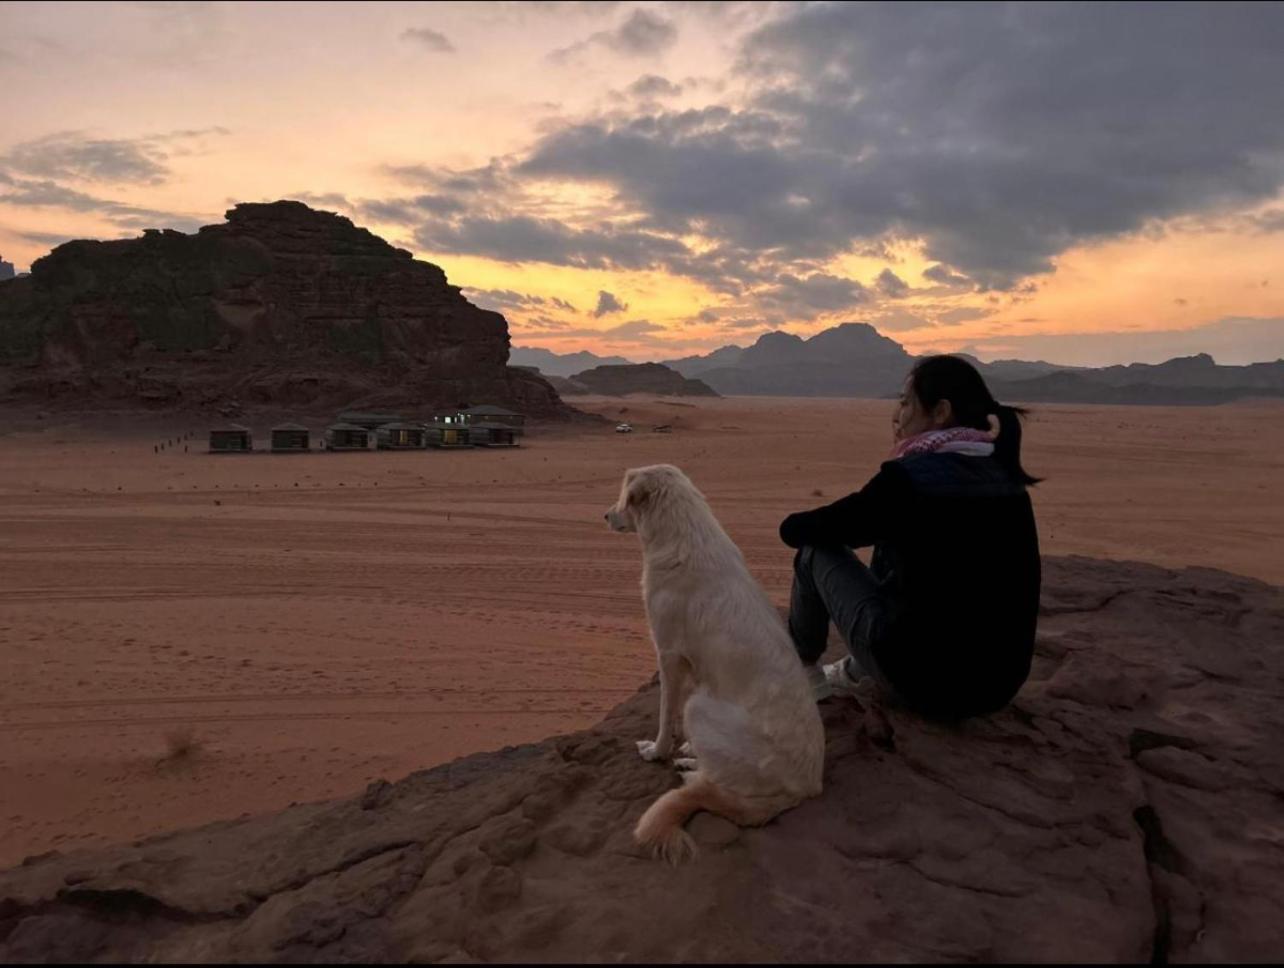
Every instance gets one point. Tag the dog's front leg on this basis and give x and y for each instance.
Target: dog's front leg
(674, 671)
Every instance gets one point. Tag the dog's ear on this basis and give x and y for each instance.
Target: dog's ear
(637, 490)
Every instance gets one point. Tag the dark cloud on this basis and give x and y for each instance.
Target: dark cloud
(508, 299)
(999, 135)
(642, 34)
(524, 238)
(408, 211)
(48, 194)
(1271, 220)
(890, 284)
(806, 298)
(49, 239)
(70, 155)
(650, 86)
(607, 303)
(945, 276)
(429, 39)
(75, 156)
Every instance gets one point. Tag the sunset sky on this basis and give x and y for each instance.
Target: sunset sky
(1083, 183)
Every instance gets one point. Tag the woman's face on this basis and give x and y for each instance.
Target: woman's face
(909, 418)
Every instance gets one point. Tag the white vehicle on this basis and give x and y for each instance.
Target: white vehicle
(623, 429)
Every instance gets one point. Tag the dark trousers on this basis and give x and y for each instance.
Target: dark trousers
(832, 584)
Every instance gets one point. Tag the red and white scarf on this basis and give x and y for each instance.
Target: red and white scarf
(954, 440)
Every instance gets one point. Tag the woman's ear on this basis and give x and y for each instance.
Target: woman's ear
(943, 414)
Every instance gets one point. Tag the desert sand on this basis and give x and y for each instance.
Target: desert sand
(188, 637)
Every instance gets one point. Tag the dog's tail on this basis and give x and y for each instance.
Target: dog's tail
(660, 828)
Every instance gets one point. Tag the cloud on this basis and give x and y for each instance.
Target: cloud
(1232, 340)
(408, 211)
(329, 200)
(650, 86)
(642, 34)
(523, 238)
(429, 39)
(997, 136)
(891, 285)
(961, 314)
(818, 293)
(945, 276)
(48, 194)
(635, 331)
(607, 303)
(508, 299)
(75, 156)
(897, 319)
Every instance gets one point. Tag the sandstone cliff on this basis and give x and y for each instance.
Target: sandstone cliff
(281, 304)
(1126, 807)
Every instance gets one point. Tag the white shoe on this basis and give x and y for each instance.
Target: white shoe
(832, 679)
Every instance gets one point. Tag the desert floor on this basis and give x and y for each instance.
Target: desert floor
(186, 637)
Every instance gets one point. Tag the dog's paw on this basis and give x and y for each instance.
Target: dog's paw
(649, 751)
(686, 763)
(685, 749)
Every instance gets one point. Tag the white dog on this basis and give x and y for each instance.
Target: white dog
(750, 718)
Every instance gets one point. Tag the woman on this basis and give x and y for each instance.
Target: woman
(944, 619)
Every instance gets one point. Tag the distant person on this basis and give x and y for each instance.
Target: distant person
(944, 618)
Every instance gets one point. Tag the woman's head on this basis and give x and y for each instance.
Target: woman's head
(947, 391)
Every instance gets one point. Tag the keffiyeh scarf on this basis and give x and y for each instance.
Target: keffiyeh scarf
(953, 440)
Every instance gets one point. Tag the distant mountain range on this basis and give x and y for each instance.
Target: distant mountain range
(855, 360)
(558, 364)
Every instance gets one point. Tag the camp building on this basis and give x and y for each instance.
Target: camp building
(232, 439)
(346, 436)
(290, 438)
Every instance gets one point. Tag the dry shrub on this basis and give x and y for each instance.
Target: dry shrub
(182, 744)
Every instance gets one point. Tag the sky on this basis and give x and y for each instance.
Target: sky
(1084, 183)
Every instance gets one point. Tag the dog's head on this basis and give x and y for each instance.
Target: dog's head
(643, 487)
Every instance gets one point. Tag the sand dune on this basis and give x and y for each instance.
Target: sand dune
(299, 625)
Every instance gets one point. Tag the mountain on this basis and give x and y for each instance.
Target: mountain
(855, 360)
(560, 364)
(636, 378)
(280, 304)
(850, 360)
(695, 365)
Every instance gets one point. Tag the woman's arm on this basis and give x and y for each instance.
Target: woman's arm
(855, 521)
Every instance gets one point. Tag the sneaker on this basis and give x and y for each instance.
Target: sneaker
(820, 688)
(833, 679)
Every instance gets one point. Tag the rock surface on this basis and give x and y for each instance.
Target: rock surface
(617, 381)
(1126, 807)
(281, 304)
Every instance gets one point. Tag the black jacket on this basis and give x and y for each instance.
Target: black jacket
(956, 555)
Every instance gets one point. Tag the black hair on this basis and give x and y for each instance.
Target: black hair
(952, 378)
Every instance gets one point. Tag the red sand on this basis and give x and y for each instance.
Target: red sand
(313, 622)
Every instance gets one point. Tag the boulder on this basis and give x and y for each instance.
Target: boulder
(1126, 807)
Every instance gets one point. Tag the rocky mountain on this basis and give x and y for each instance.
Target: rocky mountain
(851, 360)
(560, 364)
(695, 365)
(280, 304)
(635, 378)
(1124, 808)
(855, 360)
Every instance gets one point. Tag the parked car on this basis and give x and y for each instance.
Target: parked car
(623, 429)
